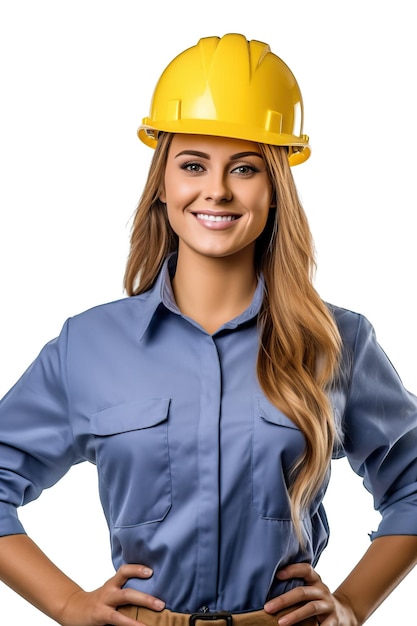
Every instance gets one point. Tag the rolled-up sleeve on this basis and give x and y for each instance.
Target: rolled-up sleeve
(380, 434)
(36, 444)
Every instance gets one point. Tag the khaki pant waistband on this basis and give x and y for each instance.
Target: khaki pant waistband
(169, 618)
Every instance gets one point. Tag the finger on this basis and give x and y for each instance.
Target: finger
(129, 570)
(312, 609)
(299, 570)
(139, 598)
(298, 595)
(112, 616)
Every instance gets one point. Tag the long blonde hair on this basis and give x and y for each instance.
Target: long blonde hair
(300, 346)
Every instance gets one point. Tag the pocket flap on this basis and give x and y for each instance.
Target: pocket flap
(123, 418)
(270, 413)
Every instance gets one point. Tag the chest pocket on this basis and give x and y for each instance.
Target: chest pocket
(133, 464)
(277, 444)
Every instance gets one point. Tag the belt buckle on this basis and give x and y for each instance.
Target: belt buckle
(221, 615)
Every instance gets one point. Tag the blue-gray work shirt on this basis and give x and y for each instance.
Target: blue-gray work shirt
(193, 460)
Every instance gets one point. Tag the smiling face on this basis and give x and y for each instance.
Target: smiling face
(218, 194)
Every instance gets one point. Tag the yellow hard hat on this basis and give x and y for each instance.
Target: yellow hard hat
(229, 87)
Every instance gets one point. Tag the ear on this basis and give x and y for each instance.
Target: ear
(162, 197)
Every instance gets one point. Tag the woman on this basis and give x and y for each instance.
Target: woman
(213, 399)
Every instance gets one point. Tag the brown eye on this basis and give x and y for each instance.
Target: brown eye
(192, 167)
(245, 170)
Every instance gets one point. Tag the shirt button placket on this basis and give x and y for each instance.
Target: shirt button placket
(208, 464)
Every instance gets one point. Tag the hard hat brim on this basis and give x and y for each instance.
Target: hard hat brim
(300, 152)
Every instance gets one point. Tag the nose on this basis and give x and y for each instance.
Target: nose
(217, 189)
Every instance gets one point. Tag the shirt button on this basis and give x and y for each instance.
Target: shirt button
(203, 609)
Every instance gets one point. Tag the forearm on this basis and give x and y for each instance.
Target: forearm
(29, 572)
(387, 561)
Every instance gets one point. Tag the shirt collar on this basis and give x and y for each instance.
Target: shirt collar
(161, 294)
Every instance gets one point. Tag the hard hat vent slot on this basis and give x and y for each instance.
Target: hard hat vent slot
(173, 110)
(298, 117)
(273, 122)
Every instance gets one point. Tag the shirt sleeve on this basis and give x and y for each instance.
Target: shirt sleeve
(36, 444)
(380, 434)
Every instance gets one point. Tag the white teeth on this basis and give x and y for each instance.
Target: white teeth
(216, 218)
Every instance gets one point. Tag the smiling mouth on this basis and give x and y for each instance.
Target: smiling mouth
(209, 217)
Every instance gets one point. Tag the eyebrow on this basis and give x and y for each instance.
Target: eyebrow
(204, 155)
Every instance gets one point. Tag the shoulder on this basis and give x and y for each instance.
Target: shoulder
(350, 323)
(342, 315)
(132, 305)
(128, 314)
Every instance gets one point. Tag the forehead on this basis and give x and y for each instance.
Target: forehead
(211, 144)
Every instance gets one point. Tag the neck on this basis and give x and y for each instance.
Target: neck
(212, 291)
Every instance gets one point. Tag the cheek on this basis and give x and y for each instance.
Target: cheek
(263, 205)
(171, 215)
(177, 195)
(262, 222)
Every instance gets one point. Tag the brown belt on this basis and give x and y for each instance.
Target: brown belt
(168, 618)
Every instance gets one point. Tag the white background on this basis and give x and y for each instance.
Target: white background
(76, 79)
